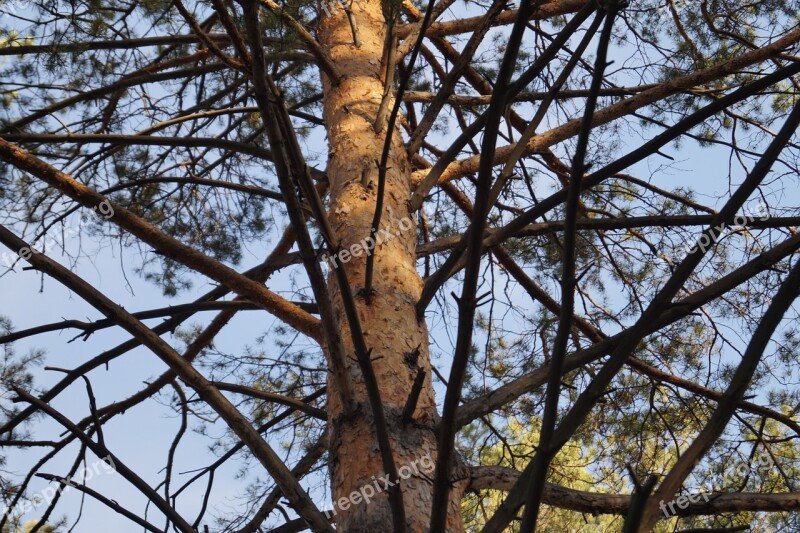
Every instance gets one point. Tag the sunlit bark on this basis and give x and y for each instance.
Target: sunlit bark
(398, 341)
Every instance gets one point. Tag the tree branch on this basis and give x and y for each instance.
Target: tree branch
(503, 478)
(167, 245)
(235, 420)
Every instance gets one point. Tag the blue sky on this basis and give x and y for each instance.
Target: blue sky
(142, 435)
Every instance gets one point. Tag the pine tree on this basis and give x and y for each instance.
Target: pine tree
(496, 301)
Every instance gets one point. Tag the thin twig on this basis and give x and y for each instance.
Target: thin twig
(111, 504)
(210, 44)
(272, 397)
(387, 143)
(314, 47)
(102, 452)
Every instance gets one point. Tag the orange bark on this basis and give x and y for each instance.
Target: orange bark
(398, 341)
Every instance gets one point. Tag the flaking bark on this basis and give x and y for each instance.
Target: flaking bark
(399, 343)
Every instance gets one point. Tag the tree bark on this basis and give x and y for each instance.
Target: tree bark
(399, 342)
(582, 501)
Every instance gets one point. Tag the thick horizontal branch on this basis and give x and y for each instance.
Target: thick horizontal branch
(476, 100)
(111, 44)
(502, 478)
(90, 327)
(147, 77)
(589, 224)
(656, 221)
(547, 10)
(239, 187)
(139, 140)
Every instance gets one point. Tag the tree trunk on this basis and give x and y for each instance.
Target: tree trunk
(399, 342)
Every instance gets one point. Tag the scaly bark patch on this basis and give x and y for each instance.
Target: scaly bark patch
(398, 341)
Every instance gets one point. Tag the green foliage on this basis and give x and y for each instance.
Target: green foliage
(570, 468)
